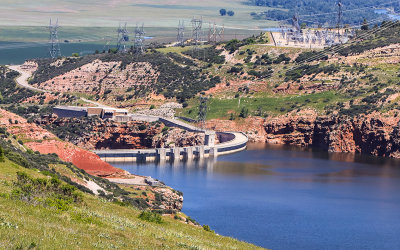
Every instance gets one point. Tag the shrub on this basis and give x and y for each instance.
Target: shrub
(51, 193)
(207, 228)
(244, 113)
(165, 129)
(150, 217)
(142, 127)
(1, 154)
(17, 158)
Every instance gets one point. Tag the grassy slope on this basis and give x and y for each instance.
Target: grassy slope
(93, 224)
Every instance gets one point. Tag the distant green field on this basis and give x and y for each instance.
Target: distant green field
(155, 13)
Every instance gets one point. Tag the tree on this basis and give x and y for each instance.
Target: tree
(303, 26)
(222, 12)
(231, 13)
(244, 113)
(364, 25)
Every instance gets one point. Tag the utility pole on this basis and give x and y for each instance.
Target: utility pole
(139, 39)
(53, 41)
(123, 38)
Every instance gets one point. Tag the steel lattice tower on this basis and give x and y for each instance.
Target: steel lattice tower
(221, 33)
(212, 33)
(180, 38)
(53, 41)
(340, 18)
(197, 25)
(123, 38)
(139, 39)
(295, 18)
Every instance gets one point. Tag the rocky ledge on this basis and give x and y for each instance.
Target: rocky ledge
(372, 134)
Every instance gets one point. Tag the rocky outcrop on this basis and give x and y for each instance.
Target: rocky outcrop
(371, 134)
(168, 199)
(43, 141)
(97, 76)
(95, 134)
(251, 126)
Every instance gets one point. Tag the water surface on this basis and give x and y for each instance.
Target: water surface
(287, 198)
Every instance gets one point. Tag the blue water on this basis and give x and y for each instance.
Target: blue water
(286, 198)
(17, 53)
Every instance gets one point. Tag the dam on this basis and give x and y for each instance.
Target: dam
(229, 142)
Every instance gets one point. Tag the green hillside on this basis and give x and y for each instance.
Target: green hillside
(40, 211)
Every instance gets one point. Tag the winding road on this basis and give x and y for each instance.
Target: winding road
(22, 80)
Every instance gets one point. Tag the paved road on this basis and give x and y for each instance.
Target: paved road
(22, 80)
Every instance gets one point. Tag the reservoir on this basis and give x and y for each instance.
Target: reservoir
(282, 197)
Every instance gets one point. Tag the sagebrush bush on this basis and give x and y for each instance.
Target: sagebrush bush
(48, 192)
(150, 217)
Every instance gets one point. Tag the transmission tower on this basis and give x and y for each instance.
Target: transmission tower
(54, 42)
(123, 38)
(197, 25)
(212, 33)
(340, 18)
(221, 33)
(295, 18)
(180, 38)
(139, 39)
(203, 110)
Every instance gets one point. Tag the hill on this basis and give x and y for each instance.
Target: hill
(39, 209)
(52, 194)
(253, 82)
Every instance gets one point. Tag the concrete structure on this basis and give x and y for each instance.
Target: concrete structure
(102, 112)
(69, 111)
(235, 142)
(230, 142)
(95, 111)
(209, 138)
